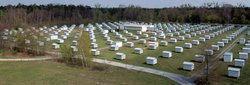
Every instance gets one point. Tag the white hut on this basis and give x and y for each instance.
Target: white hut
(151, 60)
(221, 44)
(177, 33)
(60, 41)
(129, 44)
(54, 37)
(193, 34)
(107, 38)
(163, 43)
(109, 42)
(135, 37)
(248, 32)
(74, 48)
(153, 33)
(233, 72)
(188, 45)
(120, 56)
(170, 34)
(117, 43)
(105, 31)
(152, 46)
(138, 50)
(178, 49)
(153, 39)
(188, 66)
(95, 52)
(242, 41)
(215, 47)
(195, 42)
(145, 35)
(212, 35)
(173, 40)
(199, 58)
(139, 32)
(155, 43)
(55, 46)
(246, 50)
(74, 42)
(228, 57)
(225, 41)
(207, 37)
(119, 36)
(92, 40)
(239, 63)
(198, 32)
(166, 54)
(181, 38)
(65, 37)
(161, 36)
(203, 31)
(114, 47)
(124, 39)
(247, 45)
(202, 39)
(209, 52)
(243, 55)
(142, 41)
(27, 41)
(129, 34)
(188, 36)
(93, 45)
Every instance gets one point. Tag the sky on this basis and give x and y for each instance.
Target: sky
(116, 3)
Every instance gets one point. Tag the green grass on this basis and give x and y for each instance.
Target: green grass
(173, 64)
(219, 74)
(53, 73)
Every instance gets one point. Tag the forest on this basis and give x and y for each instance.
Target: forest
(14, 16)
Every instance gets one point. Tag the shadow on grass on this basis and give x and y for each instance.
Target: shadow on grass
(148, 64)
(225, 75)
(195, 61)
(180, 69)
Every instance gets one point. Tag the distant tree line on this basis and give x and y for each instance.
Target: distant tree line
(38, 15)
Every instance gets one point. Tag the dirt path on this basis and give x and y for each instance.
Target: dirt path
(175, 77)
(28, 59)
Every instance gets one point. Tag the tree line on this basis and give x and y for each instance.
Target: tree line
(13, 16)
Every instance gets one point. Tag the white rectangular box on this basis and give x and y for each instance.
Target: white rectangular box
(151, 60)
(120, 56)
(239, 62)
(228, 57)
(166, 54)
(188, 66)
(243, 55)
(233, 72)
(178, 49)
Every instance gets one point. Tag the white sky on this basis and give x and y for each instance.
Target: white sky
(116, 3)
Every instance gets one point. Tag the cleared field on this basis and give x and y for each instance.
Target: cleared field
(53, 73)
(173, 64)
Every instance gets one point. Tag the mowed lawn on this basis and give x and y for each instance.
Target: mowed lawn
(219, 74)
(54, 73)
(173, 64)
